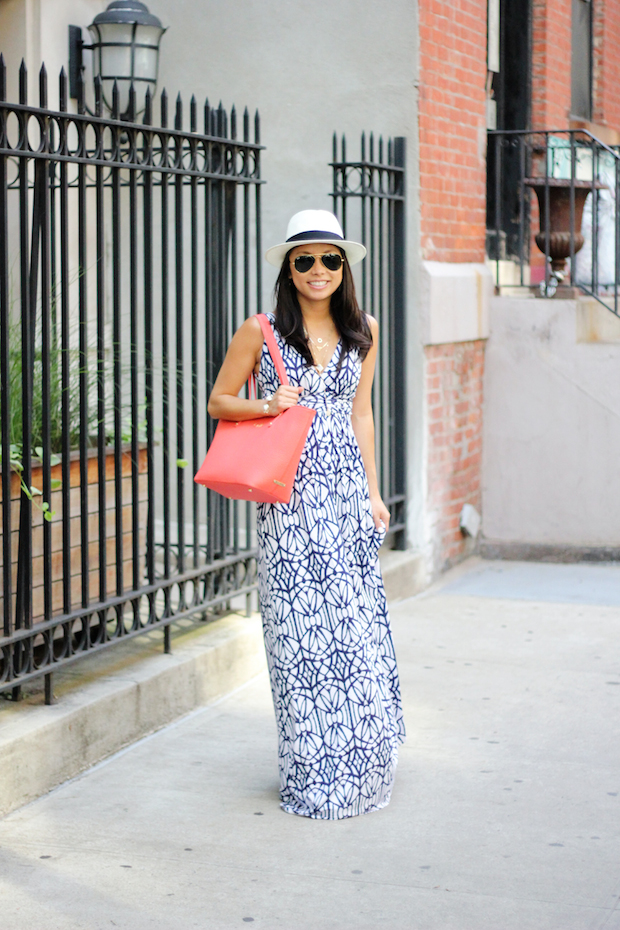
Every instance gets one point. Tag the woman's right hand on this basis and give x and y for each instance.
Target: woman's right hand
(286, 396)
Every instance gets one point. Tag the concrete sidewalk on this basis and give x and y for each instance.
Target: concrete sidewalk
(505, 814)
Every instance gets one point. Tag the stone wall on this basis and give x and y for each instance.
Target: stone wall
(552, 427)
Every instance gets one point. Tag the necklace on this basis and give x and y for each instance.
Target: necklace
(320, 345)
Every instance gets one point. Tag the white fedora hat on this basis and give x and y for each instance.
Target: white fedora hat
(314, 226)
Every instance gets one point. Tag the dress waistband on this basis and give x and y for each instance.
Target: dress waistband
(324, 404)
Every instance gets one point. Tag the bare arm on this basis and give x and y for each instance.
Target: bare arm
(364, 428)
(241, 360)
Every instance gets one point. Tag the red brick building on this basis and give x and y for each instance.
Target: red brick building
(452, 125)
(507, 64)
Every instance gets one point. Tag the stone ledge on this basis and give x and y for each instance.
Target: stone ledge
(541, 552)
(404, 573)
(596, 323)
(41, 747)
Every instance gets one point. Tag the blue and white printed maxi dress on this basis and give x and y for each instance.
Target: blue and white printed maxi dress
(329, 647)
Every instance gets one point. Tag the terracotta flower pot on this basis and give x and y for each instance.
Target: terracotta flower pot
(75, 517)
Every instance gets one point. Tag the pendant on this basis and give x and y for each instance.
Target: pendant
(319, 341)
(319, 368)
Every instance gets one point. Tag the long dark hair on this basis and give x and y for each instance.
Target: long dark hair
(349, 320)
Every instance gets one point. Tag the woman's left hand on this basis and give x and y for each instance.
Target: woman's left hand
(380, 513)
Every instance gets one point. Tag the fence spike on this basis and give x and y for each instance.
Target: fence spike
(43, 87)
(81, 94)
(148, 107)
(131, 107)
(192, 114)
(115, 101)
(2, 78)
(246, 125)
(178, 116)
(63, 90)
(380, 149)
(163, 108)
(98, 96)
(257, 128)
(23, 82)
(207, 117)
(363, 146)
(344, 148)
(334, 147)
(371, 152)
(233, 122)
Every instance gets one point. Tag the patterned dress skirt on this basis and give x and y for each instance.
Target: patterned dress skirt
(329, 646)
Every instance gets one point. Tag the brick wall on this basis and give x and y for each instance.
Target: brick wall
(454, 374)
(551, 56)
(452, 129)
(551, 64)
(606, 64)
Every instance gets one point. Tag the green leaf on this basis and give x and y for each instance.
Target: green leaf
(48, 514)
(182, 463)
(35, 492)
(45, 506)
(54, 459)
(56, 483)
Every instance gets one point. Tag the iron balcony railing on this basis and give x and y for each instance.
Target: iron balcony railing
(129, 252)
(552, 212)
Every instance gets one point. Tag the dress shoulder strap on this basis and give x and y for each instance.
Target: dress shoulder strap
(272, 345)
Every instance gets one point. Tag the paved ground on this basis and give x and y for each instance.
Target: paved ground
(505, 815)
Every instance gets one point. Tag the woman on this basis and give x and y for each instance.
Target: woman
(329, 647)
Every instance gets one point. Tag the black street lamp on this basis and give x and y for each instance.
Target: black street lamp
(125, 50)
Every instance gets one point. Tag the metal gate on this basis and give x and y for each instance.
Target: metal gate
(376, 185)
(128, 254)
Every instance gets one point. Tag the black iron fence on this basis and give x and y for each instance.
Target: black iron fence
(129, 251)
(369, 198)
(552, 213)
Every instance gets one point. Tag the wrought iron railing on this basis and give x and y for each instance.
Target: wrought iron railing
(369, 197)
(552, 212)
(128, 254)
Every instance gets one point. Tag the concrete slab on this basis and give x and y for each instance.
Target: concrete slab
(113, 698)
(582, 583)
(504, 814)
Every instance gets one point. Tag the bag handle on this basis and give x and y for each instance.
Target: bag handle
(272, 345)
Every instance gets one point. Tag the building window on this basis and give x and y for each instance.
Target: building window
(581, 63)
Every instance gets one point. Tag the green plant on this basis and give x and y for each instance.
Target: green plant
(52, 400)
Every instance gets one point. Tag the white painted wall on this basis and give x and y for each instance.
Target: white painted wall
(551, 471)
(311, 69)
(37, 31)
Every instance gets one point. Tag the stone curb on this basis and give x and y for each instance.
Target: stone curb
(41, 747)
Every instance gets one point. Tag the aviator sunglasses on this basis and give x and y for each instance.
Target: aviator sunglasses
(332, 261)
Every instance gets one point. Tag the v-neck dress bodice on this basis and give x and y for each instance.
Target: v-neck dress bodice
(329, 647)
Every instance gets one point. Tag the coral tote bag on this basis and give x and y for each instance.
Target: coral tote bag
(257, 460)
